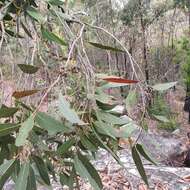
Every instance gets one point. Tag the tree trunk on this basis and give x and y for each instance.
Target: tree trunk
(189, 17)
(145, 52)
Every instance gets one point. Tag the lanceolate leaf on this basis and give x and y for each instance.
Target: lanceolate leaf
(102, 105)
(131, 100)
(67, 112)
(6, 169)
(88, 144)
(31, 185)
(50, 124)
(55, 2)
(21, 94)
(24, 131)
(42, 169)
(161, 118)
(97, 45)
(164, 86)
(144, 154)
(114, 85)
(120, 80)
(22, 180)
(29, 69)
(4, 153)
(110, 118)
(126, 130)
(65, 146)
(104, 128)
(35, 14)
(8, 128)
(52, 37)
(68, 180)
(139, 164)
(64, 179)
(26, 30)
(86, 170)
(7, 111)
(107, 148)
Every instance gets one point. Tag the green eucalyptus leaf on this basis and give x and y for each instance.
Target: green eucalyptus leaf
(68, 180)
(6, 169)
(86, 142)
(101, 46)
(161, 118)
(26, 30)
(66, 146)
(141, 150)
(31, 185)
(7, 111)
(67, 112)
(105, 129)
(52, 37)
(87, 171)
(42, 169)
(24, 131)
(126, 130)
(114, 85)
(110, 118)
(56, 2)
(164, 86)
(22, 180)
(29, 69)
(131, 100)
(64, 179)
(50, 124)
(35, 14)
(4, 153)
(139, 164)
(101, 142)
(8, 128)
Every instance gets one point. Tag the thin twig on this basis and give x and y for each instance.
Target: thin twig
(46, 93)
(2, 34)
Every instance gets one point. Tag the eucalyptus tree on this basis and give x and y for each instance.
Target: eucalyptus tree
(141, 14)
(185, 5)
(58, 144)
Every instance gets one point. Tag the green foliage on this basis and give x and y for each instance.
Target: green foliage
(97, 45)
(138, 163)
(35, 142)
(29, 69)
(52, 37)
(171, 125)
(79, 141)
(161, 111)
(164, 86)
(136, 10)
(182, 57)
(7, 111)
(159, 106)
(182, 3)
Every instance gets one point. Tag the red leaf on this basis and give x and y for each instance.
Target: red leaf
(120, 80)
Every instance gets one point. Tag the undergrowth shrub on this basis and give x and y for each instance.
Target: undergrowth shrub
(159, 106)
(161, 111)
(169, 126)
